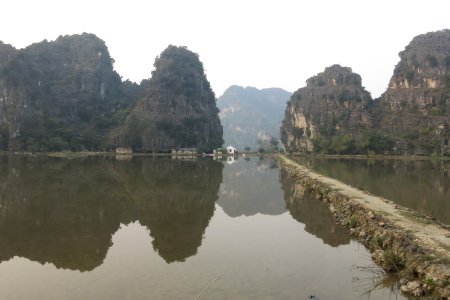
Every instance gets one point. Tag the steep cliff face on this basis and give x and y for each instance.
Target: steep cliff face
(411, 117)
(416, 105)
(178, 108)
(59, 95)
(333, 105)
(65, 95)
(250, 115)
(7, 53)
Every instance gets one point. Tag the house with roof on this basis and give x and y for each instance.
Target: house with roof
(231, 150)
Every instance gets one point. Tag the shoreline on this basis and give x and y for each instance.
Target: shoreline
(134, 154)
(375, 156)
(401, 241)
(242, 153)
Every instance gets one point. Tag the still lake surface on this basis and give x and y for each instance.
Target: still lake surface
(156, 228)
(422, 185)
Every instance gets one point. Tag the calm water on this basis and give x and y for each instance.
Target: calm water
(421, 185)
(162, 229)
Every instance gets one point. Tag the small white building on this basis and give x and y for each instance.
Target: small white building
(231, 150)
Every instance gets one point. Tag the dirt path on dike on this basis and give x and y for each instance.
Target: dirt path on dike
(428, 234)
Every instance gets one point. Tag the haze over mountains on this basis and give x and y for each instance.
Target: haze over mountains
(249, 115)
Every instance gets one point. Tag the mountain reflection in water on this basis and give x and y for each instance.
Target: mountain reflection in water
(65, 211)
(307, 210)
(422, 185)
(252, 228)
(249, 188)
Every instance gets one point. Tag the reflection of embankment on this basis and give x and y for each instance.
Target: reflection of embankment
(305, 209)
(399, 239)
(422, 185)
(250, 187)
(65, 211)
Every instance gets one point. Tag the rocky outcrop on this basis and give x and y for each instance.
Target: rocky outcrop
(7, 53)
(59, 95)
(333, 103)
(65, 95)
(251, 117)
(178, 108)
(416, 105)
(421, 75)
(333, 114)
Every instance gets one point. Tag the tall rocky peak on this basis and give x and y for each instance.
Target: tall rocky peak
(335, 75)
(83, 56)
(334, 114)
(59, 95)
(421, 80)
(252, 117)
(332, 105)
(416, 105)
(178, 108)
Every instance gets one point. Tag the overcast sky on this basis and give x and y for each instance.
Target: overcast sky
(278, 43)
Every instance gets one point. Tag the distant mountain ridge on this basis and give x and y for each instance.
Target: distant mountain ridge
(249, 114)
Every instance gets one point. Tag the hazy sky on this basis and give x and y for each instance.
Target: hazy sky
(277, 43)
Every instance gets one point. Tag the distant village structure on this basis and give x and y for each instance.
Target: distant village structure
(228, 151)
(231, 150)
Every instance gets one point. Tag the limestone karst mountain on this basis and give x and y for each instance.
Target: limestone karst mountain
(332, 106)
(416, 105)
(65, 95)
(251, 117)
(334, 114)
(178, 108)
(59, 95)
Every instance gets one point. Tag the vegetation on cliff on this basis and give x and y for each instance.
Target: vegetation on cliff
(416, 106)
(61, 95)
(178, 108)
(65, 95)
(333, 114)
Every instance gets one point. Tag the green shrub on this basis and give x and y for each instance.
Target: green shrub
(352, 221)
(393, 261)
(378, 241)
